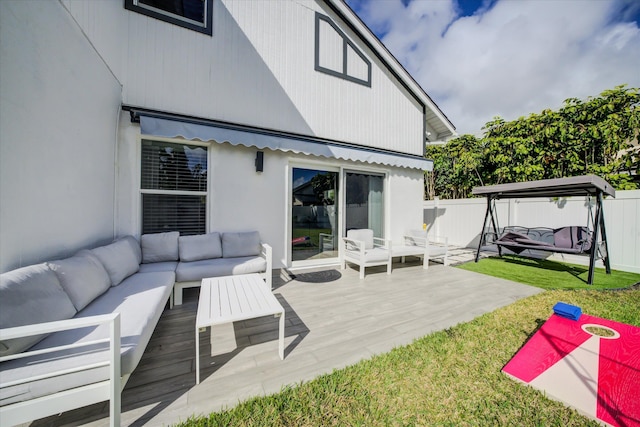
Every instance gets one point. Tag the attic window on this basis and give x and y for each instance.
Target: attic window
(337, 55)
(192, 14)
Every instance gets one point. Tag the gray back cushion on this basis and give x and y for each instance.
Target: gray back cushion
(136, 250)
(83, 278)
(203, 246)
(119, 258)
(365, 235)
(240, 244)
(31, 295)
(159, 247)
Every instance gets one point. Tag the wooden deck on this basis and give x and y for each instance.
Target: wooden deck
(333, 320)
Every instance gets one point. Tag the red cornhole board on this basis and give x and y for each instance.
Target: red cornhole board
(598, 376)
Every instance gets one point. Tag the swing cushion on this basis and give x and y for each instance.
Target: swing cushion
(572, 238)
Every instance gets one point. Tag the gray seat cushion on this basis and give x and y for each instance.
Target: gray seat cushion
(203, 246)
(198, 270)
(241, 244)
(404, 250)
(83, 278)
(376, 254)
(159, 247)
(140, 300)
(30, 295)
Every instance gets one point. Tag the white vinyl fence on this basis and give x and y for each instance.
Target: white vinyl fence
(461, 221)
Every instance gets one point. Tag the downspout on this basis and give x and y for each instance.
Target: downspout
(115, 172)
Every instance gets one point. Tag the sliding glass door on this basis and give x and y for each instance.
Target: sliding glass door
(314, 214)
(317, 203)
(364, 202)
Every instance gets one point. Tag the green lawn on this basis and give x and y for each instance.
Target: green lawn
(550, 274)
(313, 233)
(450, 377)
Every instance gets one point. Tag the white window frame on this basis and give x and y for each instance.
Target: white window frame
(315, 165)
(205, 27)
(346, 43)
(142, 191)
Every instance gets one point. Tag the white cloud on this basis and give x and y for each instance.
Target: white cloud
(516, 58)
(298, 182)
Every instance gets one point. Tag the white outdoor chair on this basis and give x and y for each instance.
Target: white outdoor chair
(361, 248)
(419, 243)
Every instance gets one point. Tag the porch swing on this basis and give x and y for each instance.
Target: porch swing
(580, 240)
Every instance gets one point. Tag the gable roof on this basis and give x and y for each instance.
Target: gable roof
(435, 118)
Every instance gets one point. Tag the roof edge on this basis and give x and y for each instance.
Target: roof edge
(346, 13)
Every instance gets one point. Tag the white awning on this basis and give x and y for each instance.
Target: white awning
(154, 126)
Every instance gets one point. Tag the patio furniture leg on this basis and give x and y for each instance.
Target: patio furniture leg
(389, 266)
(211, 340)
(177, 296)
(425, 262)
(197, 356)
(362, 271)
(281, 337)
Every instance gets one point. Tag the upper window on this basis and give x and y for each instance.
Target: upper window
(193, 14)
(173, 187)
(337, 55)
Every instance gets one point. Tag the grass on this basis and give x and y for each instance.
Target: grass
(450, 377)
(313, 233)
(550, 274)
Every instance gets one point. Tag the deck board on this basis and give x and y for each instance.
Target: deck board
(329, 325)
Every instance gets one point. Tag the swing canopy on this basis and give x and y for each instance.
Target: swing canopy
(587, 185)
(570, 240)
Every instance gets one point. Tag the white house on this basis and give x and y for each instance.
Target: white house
(136, 116)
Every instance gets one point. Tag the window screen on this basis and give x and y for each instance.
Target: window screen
(173, 183)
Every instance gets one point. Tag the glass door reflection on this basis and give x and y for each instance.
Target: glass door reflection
(314, 214)
(364, 202)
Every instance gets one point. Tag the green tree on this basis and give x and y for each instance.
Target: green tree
(597, 136)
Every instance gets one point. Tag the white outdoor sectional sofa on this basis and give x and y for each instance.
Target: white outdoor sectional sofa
(72, 331)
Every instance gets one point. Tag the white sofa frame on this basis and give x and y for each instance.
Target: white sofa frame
(266, 252)
(358, 257)
(421, 245)
(88, 394)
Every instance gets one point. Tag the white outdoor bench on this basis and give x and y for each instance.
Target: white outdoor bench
(418, 243)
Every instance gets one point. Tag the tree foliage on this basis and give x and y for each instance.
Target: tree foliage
(597, 136)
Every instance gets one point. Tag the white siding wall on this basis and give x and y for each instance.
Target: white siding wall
(58, 114)
(461, 220)
(405, 198)
(257, 69)
(242, 199)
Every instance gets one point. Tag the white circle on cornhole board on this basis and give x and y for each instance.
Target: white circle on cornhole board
(615, 333)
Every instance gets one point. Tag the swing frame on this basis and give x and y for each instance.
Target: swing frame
(590, 186)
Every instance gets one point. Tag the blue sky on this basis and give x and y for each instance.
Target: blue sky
(482, 58)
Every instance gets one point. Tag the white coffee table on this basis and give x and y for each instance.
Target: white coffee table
(233, 298)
